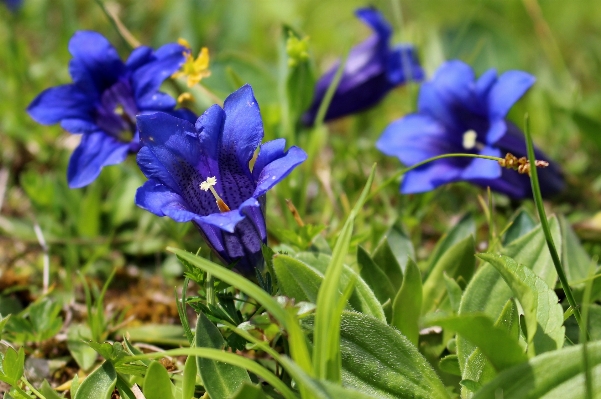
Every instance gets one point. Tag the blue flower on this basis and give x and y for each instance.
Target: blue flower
(372, 69)
(184, 161)
(458, 114)
(104, 99)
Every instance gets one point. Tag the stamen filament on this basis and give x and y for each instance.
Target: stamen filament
(208, 185)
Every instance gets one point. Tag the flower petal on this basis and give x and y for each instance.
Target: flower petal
(157, 198)
(147, 79)
(61, 102)
(508, 89)
(96, 64)
(429, 177)
(278, 169)
(227, 221)
(403, 65)
(376, 21)
(485, 83)
(415, 138)
(268, 152)
(480, 168)
(79, 126)
(95, 151)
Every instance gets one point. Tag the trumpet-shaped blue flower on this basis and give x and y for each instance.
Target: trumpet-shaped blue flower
(200, 173)
(104, 99)
(458, 114)
(372, 69)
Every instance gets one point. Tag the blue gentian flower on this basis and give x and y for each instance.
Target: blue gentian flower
(104, 99)
(13, 5)
(200, 173)
(372, 69)
(458, 114)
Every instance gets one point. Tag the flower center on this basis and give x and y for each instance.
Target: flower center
(469, 139)
(208, 185)
(116, 114)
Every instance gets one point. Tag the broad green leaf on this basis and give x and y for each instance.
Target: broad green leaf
(12, 365)
(542, 311)
(454, 293)
(84, 355)
(450, 364)
(391, 255)
(457, 261)
(362, 299)
(556, 374)
(375, 277)
(521, 223)
(74, 386)
(326, 336)
(496, 343)
(48, 392)
(296, 279)
(100, 384)
(189, 378)
(464, 228)
(407, 305)
(157, 384)
(221, 380)
(574, 258)
(488, 293)
(248, 391)
(379, 361)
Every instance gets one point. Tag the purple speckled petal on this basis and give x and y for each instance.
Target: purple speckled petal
(159, 199)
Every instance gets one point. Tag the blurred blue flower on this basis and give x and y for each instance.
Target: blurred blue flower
(372, 69)
(458, 114)
(104, 99)
(13, 5)
(184, 161)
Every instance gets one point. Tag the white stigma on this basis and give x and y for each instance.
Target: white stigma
(469, 139)
(207, 184)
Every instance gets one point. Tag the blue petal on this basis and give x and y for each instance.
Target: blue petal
(155, 197)
(403, 65)
(138, 57)
(147, 79)
(480, 168)
(450, 87)
(278, 169)
(209, 127)
(376, 21)
(508, 89)
(268, 152)
(156, 102)
(496, 130)
(429, 177)
(170, 156)
(415, 138)
(61, 102)
(96, 64)
(95, 151)
(485, 83)
(79, 126)
(227, 221)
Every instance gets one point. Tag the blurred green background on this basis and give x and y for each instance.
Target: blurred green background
(99, 227)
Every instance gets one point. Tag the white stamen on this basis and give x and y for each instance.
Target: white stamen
(207, 184)
(469, 139)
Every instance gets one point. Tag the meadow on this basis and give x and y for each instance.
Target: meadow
(300, 199)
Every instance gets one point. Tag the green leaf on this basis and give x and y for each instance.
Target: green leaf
(113, 352)
(391, 255)
(12, 366)
(88, 220)
(48, 392)
(157, 384)
(100, 384)
(189, 378)
(450, 364)
(375, 277)
(362, 299)
(221, 380)
(542, 311)
(488, 293)
(407, 305)
(496, 343)
(454, 292)
(521, 223)
(296, 279)
(326, 350)
(378, 360)
(574, 258)
(457, 261)
(84, 355)
(464, 228)
(248, 391)
(556, 374)
(74, 386)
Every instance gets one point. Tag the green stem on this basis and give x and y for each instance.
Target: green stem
(401, 172)
(35, 391)
(538, 200)
(114, 23)
(210, 289)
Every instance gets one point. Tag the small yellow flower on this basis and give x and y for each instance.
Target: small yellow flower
(194, 69)
(184, 97)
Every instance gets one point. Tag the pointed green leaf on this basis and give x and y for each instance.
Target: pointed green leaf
(406, 308)
(521, 223)
(457, 261)
(189, 378)
(574, 258)
(556, 374)
(296, 279)
(542, 311)
(221, 380)
(454, 292)
(157, 384)
(100, 384)
(12, 365)
(375, 277)
(464, 228)
(48, 392)
(391, 255)
(250, 391)
(450, 364)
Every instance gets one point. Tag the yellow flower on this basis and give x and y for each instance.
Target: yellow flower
(194, 69)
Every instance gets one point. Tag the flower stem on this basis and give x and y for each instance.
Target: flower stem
(538, 200)
(35, 391)
(122, 31)
(401, 172)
